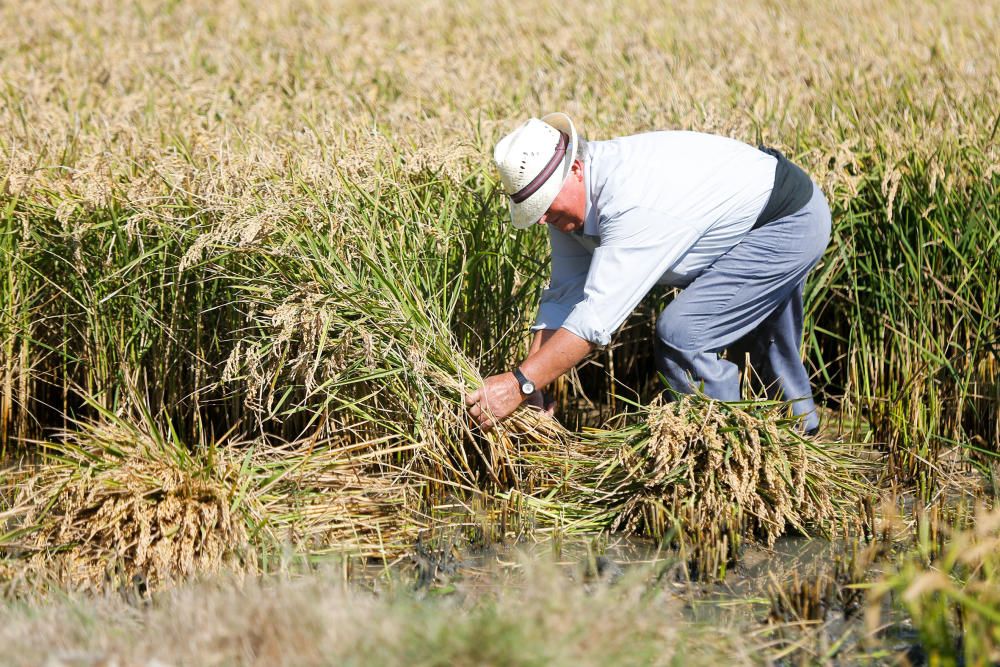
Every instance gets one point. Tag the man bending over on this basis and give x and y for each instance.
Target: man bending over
(737, 227)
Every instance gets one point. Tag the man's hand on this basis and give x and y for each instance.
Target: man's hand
(552, 354)
(497, 398)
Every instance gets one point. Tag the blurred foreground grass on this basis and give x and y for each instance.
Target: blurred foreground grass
(543, 618)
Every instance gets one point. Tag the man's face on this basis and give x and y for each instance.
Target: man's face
(568, 208)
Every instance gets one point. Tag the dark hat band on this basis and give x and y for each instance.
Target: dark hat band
(544, 174)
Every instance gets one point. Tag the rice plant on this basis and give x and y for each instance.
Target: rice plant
(708, 476)
(118, 499)
(951, 590)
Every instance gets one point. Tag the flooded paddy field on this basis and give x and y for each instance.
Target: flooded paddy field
(631, 604)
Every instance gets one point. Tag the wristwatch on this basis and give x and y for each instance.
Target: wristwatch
(526, 385)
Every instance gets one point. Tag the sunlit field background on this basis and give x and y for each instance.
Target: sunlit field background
(252, 255)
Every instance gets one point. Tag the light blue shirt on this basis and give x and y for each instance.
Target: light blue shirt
(660, 208)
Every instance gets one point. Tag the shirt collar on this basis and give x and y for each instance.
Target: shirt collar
(591, 226)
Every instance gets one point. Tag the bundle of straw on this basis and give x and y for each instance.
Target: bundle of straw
(708, 474)
(111, 502)
(115, 499)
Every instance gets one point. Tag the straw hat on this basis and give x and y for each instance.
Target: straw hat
(534, 161)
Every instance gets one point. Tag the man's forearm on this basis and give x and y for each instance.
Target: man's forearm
(552, 353)
(541, 336)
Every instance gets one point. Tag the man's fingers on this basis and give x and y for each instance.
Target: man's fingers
(476, 407)
(474, 397)
(479, 413)
(477, 404)
(482, 420)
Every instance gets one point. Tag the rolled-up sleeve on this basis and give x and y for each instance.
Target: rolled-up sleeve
(570, 265)
(636, 249)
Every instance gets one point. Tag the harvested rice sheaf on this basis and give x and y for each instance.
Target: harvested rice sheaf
(113, 502)
(715, 472)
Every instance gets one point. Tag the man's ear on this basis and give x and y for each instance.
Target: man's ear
(577, 169)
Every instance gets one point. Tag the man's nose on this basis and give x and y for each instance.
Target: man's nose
(542, 220)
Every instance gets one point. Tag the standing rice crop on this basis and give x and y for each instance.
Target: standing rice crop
(280, 222)
(143, 147)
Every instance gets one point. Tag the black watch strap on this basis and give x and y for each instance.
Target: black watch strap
(524, 383)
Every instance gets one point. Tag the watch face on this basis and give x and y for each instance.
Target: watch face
(527, 388)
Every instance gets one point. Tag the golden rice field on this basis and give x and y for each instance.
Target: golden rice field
(253, 255)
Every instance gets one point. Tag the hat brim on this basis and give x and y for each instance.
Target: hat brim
(528, 212)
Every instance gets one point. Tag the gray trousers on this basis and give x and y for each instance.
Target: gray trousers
(749, 301)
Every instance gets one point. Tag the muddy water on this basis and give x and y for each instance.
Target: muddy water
(743, 600)
(609, 559)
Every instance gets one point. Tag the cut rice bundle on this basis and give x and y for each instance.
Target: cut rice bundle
(115, 501)
(708, 474)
